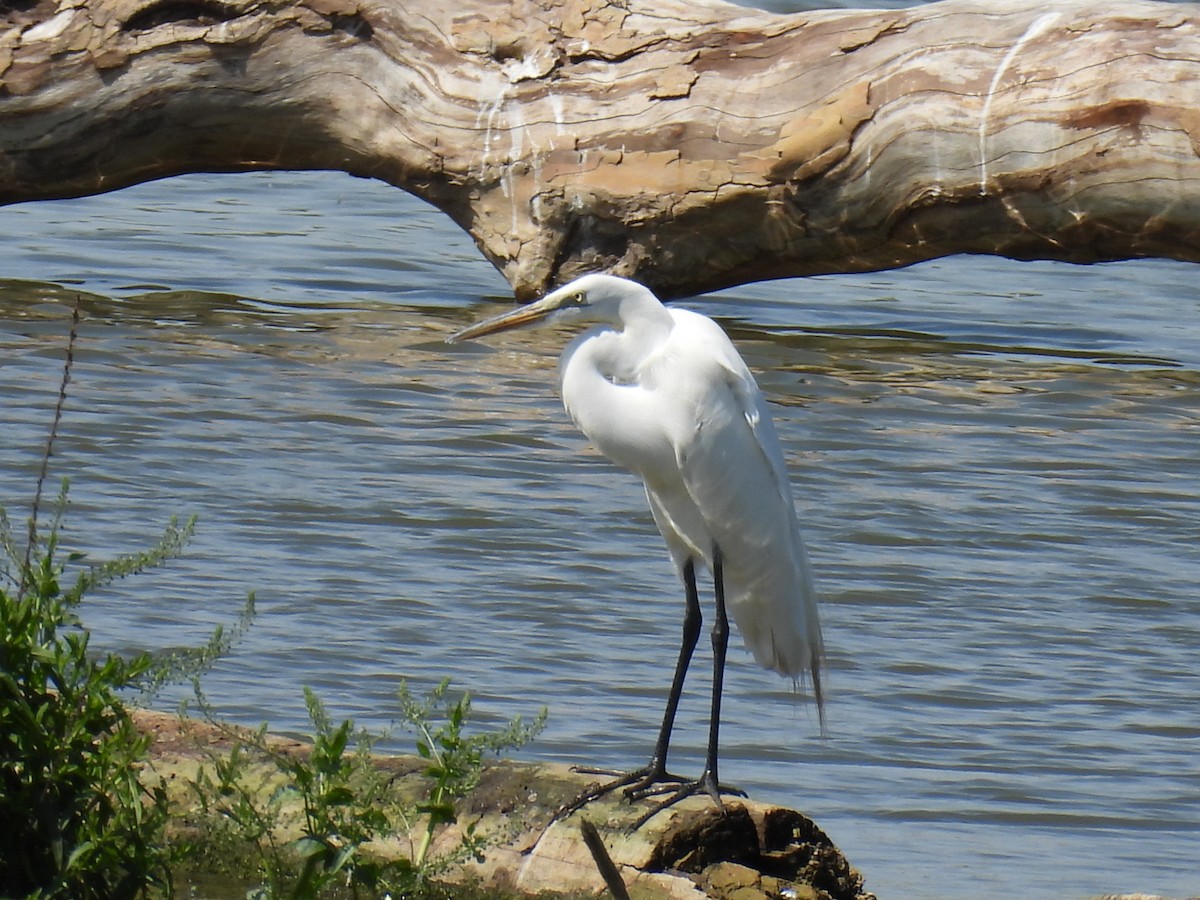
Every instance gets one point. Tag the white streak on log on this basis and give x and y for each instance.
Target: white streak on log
(50, 29)
(556, 105)
(1036, 27)
(489, 113)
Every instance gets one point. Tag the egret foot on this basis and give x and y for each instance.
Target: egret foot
(638, 783)
(649, 781)
(707, 782)
(652, 778)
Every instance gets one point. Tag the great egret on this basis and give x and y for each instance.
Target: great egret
(663, 393)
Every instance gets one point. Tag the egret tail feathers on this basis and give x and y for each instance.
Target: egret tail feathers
(775, 609)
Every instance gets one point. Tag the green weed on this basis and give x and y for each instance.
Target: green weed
(311, 822)
(78, 823)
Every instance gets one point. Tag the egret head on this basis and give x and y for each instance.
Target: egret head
(591, 298)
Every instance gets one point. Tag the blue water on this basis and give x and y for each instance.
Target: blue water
(995, 462)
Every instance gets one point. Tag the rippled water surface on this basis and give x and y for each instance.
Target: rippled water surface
(997, 464)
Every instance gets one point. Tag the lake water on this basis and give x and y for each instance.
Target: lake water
(996, 464)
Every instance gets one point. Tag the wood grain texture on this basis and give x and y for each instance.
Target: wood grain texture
(691, 145)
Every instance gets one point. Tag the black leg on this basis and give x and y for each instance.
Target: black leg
(642, 781)
(691, 634)
(720, 643)
(708, 780)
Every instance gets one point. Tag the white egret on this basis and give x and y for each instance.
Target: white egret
(663, 393)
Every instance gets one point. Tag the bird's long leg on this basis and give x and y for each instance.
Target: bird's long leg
(642, 780)
(656, 770)
(708, 780)
(720, 643)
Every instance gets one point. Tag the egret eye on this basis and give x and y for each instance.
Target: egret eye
(578, 298)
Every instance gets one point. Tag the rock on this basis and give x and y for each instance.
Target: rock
(751, 851)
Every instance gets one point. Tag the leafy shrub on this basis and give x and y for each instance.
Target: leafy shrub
(77, 823)
(308, 827)
(76, 820)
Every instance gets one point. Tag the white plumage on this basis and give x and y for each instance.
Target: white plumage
(664, 393)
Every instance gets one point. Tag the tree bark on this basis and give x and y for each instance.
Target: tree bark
(692, 145)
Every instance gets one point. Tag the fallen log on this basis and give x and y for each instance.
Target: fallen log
(691, 145)
(691, 851)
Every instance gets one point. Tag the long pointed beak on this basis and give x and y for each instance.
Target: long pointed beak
(524, 315)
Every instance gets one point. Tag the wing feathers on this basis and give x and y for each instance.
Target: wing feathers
(732, 468)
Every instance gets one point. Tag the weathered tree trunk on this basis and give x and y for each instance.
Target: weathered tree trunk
(690, 144)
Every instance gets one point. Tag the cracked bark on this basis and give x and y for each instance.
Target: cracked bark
(691, 145)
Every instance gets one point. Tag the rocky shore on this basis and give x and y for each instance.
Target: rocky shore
(754, 851)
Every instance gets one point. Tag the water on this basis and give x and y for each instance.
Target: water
(996, 463)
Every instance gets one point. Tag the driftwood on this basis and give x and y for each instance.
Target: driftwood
(690, 144)
(692, 851)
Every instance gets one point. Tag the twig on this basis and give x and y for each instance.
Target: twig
(49, 449)
(608, 869)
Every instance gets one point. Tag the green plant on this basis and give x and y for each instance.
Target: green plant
(338, 798)
(455, 760)
(309, 820)
(78, 823)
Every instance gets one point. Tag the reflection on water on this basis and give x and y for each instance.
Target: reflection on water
(996, 464)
